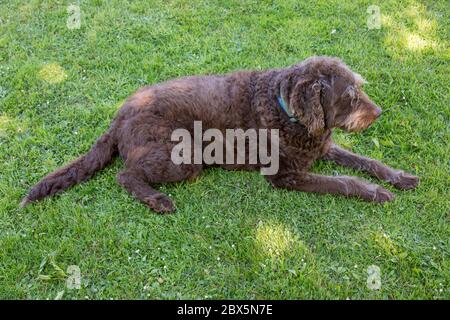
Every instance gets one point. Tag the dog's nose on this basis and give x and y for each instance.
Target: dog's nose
(377, 112)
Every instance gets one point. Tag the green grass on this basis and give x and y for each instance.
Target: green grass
(233, 236)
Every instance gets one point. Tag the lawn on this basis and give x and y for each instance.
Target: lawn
(233, 236)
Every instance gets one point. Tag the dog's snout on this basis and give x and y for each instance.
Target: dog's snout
(377, 112)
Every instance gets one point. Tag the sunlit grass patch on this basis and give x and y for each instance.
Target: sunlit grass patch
(10, 126)
(52, 73)
(416, 42)
(410, 41)
(385, 243)
(274, 241)
(413, 30)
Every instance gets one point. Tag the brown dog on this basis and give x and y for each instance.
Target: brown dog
(305, 102)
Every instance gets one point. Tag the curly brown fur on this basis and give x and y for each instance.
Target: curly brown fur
(321, 92)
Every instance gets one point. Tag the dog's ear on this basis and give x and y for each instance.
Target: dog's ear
(307, 107)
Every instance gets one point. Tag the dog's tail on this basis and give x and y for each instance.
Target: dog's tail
(75, 172)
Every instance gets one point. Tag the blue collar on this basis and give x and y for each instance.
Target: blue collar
(286, 110)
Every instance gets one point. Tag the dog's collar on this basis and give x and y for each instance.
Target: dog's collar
(283, 106)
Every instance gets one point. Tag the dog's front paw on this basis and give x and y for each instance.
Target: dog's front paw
(375, 193)
(383, 195)
(405, 181)
(160, 203)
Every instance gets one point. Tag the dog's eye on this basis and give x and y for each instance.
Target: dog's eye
(355, 101)
(322, 94)
(353, 96)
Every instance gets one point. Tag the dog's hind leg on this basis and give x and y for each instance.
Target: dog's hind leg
(150, 165)
(136, 183)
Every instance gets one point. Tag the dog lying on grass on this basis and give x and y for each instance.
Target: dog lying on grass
(304, 102)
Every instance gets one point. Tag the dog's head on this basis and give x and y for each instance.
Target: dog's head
(326, 94)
